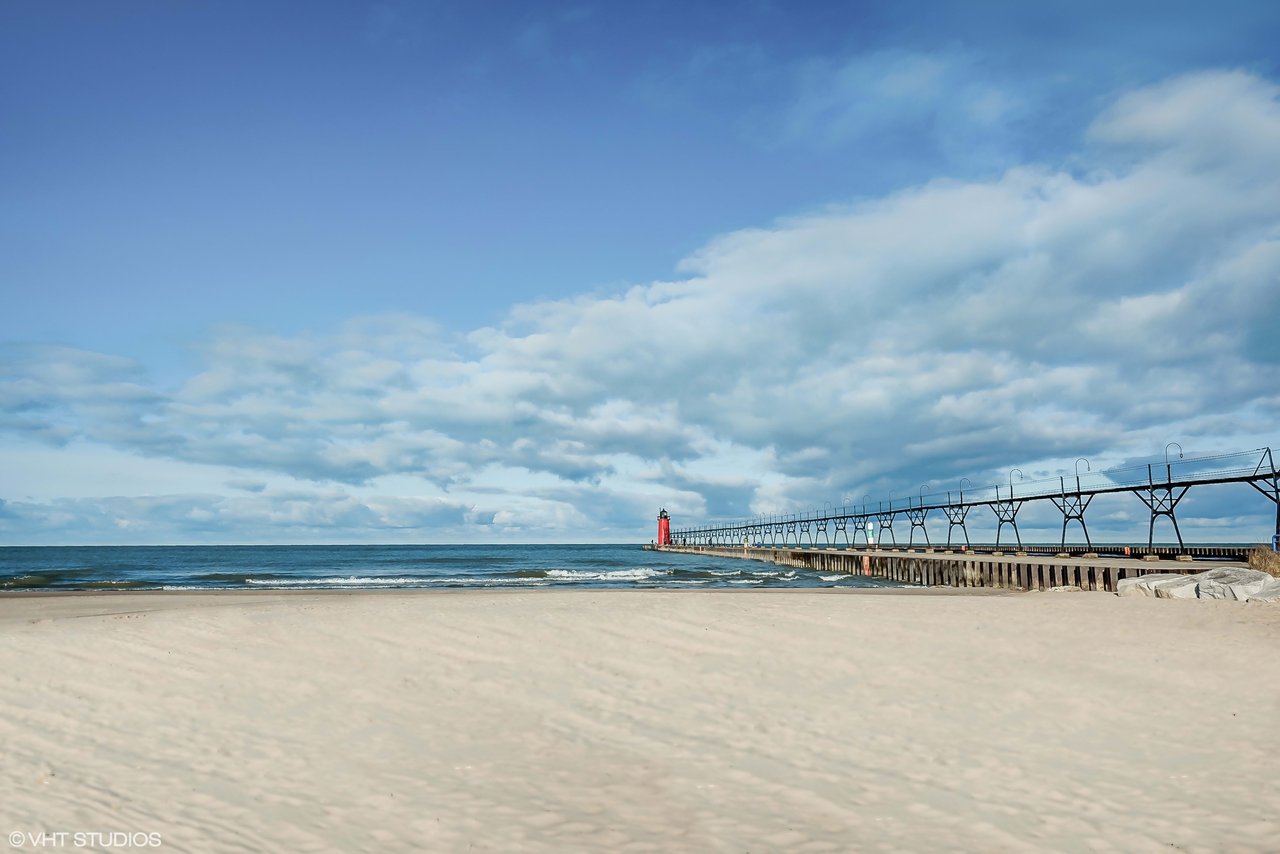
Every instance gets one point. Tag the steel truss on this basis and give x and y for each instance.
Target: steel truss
(1160, 495)
(885, 521)
(916, 516)
(955, 518)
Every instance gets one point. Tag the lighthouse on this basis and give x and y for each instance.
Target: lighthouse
(664, 528)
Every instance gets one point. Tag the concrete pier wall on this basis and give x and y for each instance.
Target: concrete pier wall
(955, 569)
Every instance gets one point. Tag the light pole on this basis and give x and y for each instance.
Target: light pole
(1168, 469)
(1011, 471)
(892, 535)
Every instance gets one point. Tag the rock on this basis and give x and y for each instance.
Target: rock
(1183, 587)
(1142, 585)
(1232, 582)
(1235, 583)
(1066, 588)
(1270, 592)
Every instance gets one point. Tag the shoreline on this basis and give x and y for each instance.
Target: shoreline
(556, 719)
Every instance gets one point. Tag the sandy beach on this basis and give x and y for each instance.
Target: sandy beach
(641, 721)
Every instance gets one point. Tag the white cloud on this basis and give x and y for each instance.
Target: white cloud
(950, 329)
(943, 102)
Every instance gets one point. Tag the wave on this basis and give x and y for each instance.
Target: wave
(223, 577)
(70, 581)
(638, 574)
(681, 572)
(376, 581)
(26, 582)
(350, 581)
(117, 585)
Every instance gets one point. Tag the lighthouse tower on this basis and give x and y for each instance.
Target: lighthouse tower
(664, 528)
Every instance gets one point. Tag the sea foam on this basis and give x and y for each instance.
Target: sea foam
(636, 574)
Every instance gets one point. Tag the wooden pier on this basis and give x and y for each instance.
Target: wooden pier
(930, 567)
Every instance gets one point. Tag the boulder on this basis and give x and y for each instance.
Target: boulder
(1142, 585)
(1270, 592)
(1181, 587)
(1232, 582)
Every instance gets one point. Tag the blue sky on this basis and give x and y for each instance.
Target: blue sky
(445, 271)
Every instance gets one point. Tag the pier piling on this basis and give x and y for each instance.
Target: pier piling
(1028, 571)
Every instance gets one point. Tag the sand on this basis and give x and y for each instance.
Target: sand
(641, 721)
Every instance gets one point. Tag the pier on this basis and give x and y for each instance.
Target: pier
(1159, 486)
(1022, 570)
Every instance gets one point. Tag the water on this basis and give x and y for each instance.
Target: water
(384, 567)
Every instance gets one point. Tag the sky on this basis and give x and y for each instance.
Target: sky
(323, 272)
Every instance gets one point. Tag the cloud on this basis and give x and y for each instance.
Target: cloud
(841, 99)
(887, 115)
(1184, 115)
(951, 329)
(273, 516)
(899, 106)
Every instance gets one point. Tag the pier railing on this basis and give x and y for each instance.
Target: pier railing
(1160, 486)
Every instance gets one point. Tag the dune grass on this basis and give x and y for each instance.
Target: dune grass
(1266, 560)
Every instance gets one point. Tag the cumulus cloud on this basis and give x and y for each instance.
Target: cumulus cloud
(950, 329)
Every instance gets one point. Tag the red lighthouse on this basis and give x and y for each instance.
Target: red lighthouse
(664, 528)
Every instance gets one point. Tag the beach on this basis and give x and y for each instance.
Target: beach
(639, 720)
